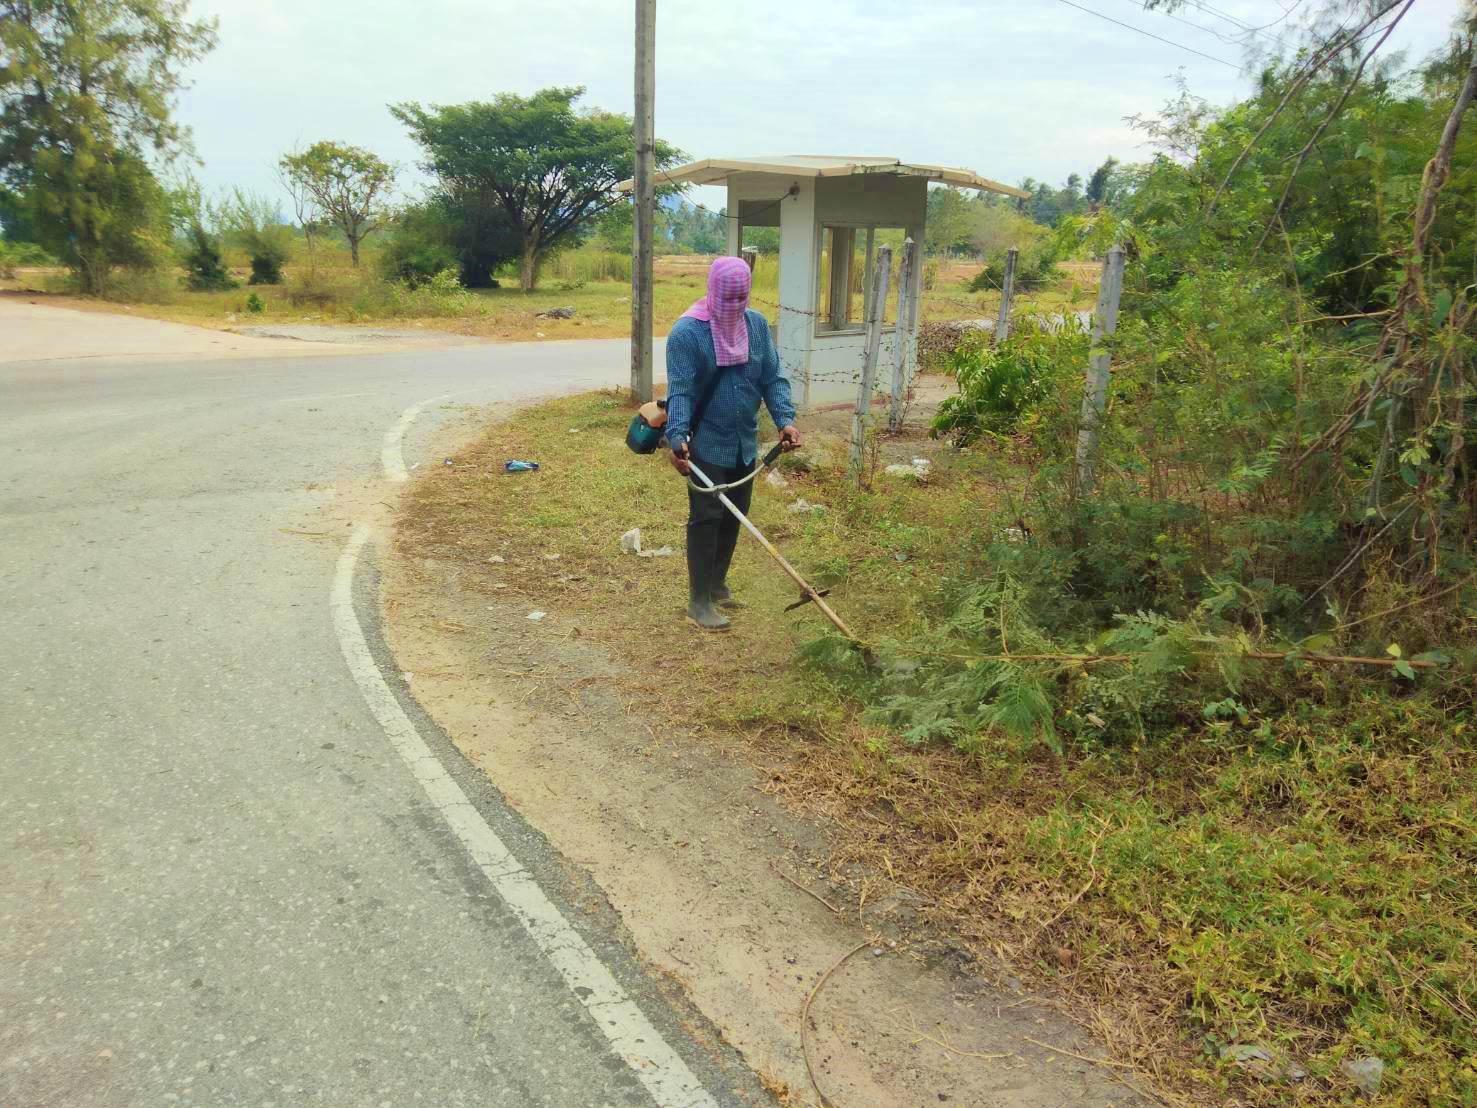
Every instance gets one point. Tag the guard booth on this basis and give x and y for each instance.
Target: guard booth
(832, 214)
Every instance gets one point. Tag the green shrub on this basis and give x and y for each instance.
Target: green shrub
(441, 297)
(204, 269)
(417, 246)
(252, 224)
(16, 254)
(254, 304)
(999, 385)
(1027, 278)
(322, 288)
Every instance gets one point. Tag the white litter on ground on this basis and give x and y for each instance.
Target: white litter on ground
(917, 471)
(631, 544)
(536, 616)
(803, 505)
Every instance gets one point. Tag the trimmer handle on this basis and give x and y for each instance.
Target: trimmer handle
(774, 452)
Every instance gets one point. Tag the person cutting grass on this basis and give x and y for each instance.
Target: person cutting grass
(720, 335)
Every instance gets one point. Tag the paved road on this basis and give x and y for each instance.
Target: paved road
(221, 881)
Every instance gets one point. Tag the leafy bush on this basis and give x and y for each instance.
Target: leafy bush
(254, 225)
(139, 286)
(441, 297)
(322, 288)
(418, 245)
(1028, 277)
(254, 304)
(204, 269)
(999, 385)
(16, 254)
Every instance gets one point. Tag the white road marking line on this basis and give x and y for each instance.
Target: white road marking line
(657, 1066)
(392, 457)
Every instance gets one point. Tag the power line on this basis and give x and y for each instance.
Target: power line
(1156, 38)
(1244, 28)
(1187, 22)
(1236, 36)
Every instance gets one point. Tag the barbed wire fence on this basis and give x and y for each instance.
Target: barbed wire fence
(938, 322)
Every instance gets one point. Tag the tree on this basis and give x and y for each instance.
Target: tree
(1070, 195)
(1099, 184)
(949, 221)
(348, 183)
(550, 167)
(87, 89)
(98, 212)
(197, 224)
(254, 224)
(461, 230)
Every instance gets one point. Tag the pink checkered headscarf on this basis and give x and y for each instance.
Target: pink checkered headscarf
(723, 308)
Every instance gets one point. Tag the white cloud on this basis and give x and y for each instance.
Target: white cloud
(1009, 89)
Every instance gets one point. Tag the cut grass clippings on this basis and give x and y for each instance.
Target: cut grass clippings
(1309, 889)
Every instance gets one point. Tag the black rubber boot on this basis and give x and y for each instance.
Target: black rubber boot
(702, 554)
(728, 535)
(723, 558)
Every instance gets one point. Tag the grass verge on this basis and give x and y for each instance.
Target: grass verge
(1307, 889)
(336, 293)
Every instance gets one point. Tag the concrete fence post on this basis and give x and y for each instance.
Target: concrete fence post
(901, 334)
(1095, 392)
(881, 272)
(1007, 292)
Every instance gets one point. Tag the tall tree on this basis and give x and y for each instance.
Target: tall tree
(349, 184)
(87, 89)
(1100, 182)
(550, 166)
(949, 221)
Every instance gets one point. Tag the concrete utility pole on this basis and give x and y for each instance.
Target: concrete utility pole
(1095, 395)
(645, 194)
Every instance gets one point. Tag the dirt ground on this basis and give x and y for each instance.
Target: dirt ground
(721, 886)
(38, 327)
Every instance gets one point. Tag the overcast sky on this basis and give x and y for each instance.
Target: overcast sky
(1010, 89)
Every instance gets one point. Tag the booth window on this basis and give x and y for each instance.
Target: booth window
(846, 276)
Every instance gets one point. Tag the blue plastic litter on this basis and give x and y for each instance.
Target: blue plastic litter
(516, 466)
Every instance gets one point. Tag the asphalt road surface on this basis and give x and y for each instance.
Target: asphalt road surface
(237, 865)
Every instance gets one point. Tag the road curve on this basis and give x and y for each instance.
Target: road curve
(221, 881)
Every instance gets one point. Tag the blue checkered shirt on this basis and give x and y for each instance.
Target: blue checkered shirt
(729, 432)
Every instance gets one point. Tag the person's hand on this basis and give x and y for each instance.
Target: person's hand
(790, 437)
(680, 457)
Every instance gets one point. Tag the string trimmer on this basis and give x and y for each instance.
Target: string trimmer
(808, 595)
(645, 434)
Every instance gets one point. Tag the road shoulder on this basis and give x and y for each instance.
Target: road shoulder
(719, 885)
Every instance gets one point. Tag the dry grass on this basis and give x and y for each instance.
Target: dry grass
(602, 307)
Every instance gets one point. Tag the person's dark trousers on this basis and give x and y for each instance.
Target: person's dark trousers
(712, 530)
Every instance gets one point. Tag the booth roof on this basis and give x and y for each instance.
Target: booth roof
(714, 171)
